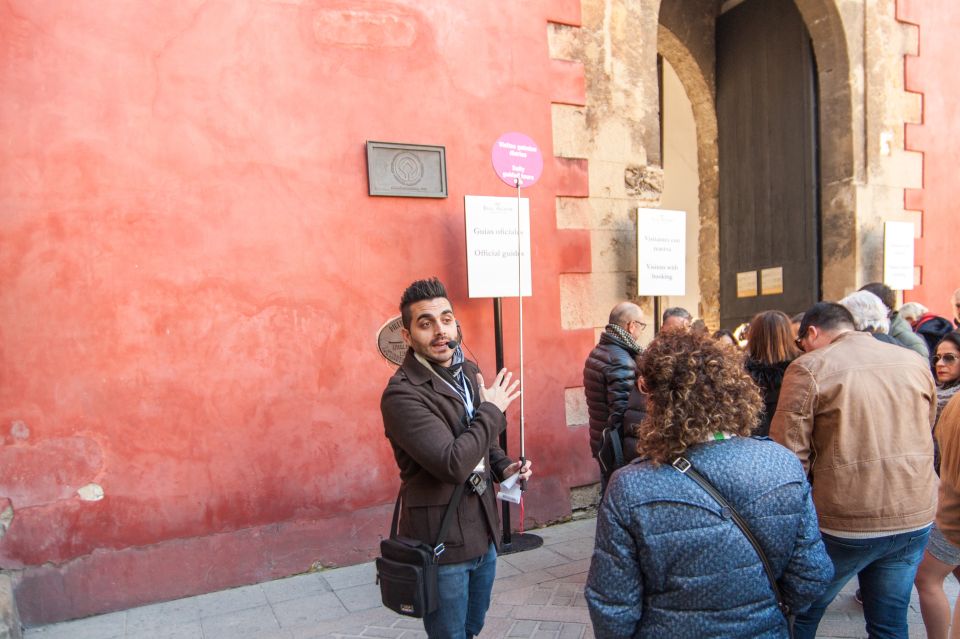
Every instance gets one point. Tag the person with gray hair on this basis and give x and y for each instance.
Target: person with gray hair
(869, 315)
(900, 330)
(912, 311)
(676, 318)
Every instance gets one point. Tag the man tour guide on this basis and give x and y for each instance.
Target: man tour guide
(444, 425)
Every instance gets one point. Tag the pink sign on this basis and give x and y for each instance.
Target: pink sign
(517, 160)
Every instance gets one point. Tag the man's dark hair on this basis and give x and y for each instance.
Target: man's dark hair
(417, 292)
(826, 316)
(676, 311)
(886, 294)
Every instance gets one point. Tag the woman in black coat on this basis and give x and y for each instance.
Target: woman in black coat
(770, 349)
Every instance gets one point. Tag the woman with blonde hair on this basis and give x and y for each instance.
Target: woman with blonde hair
(670, 560)
(770, 349)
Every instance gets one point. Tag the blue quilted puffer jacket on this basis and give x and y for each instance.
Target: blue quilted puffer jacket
(669, 563)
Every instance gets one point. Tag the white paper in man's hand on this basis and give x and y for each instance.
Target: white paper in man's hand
(510, 489)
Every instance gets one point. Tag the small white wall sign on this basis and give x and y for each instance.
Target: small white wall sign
(492, 266)
(898, 255)
(661, 252)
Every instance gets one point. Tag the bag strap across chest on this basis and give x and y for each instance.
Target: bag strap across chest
(437, 546)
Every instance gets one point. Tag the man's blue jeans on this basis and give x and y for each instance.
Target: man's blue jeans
(464, 597)
(887, 566)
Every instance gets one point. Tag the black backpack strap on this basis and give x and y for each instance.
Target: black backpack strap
(683, 465)
(438, 546)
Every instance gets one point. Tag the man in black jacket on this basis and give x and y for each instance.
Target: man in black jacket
(610, 373)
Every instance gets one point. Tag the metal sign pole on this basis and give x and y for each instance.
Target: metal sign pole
(523, 482)
(516, 156)
(498, 347)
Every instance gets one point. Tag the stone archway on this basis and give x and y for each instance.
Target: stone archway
(683, 25)
(839, 172)
(701, 96)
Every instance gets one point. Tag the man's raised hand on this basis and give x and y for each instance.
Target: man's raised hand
(501, 392)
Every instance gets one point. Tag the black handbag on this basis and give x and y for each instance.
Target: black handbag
(610, 455)
(684, 466)
(407, 568)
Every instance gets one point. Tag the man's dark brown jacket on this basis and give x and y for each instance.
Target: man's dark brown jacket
(437, 448)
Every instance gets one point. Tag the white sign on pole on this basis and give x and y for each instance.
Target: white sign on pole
(492, 268)
(661, 252)
(898, 255)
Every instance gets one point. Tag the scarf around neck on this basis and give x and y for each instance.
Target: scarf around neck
(620, 333)
(453, 376)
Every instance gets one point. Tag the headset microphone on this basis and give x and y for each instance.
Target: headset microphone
(452, 344)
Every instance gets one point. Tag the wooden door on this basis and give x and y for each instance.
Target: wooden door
(769, 182)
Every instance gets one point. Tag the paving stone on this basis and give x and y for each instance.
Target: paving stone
(408, 624)
(571, 631)
(535, 560)
(523, 628)
(545, 634)
(249, 623)
(583, 528)
(377, 631)
(307, 611)
(295, 587)
(523, 580)
(505, 570)
(156, 616)
(550, 625)
(580, 566)
(233, 600)
(414, 634)
(108, 626)
(188, 630)
(498, 609)
(361, 597)
(350, 576)
(575, 548)
(553, 613)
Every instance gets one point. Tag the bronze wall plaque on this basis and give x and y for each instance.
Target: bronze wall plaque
(406, 170)
(390, 341)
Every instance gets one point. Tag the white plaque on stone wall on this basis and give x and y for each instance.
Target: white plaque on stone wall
(492, 266)
(661, 252)
(747, 284)
(771, 281)
(898, 255)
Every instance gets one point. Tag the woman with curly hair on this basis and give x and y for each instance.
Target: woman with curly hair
(669, 561)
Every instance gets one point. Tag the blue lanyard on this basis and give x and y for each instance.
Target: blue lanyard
(466, 396)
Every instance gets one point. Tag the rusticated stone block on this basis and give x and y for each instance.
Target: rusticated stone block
(644, 182)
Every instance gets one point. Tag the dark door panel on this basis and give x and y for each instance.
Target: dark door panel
(769, 183)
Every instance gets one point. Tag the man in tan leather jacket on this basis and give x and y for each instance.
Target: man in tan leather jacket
(858, 413)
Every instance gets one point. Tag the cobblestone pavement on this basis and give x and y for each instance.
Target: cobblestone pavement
(538, 595)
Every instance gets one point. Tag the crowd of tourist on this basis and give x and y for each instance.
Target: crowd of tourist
(773, 464)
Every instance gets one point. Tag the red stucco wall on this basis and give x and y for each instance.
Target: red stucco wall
(192, 276)
(933, 73)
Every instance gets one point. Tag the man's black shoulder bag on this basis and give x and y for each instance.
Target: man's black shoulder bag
(684, 466)
(407, 568)
(610, 454)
